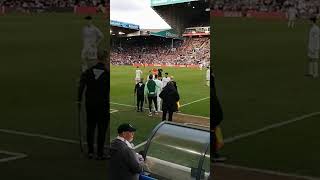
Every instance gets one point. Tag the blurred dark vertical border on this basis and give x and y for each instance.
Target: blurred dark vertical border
(213, 96)
(40, 54)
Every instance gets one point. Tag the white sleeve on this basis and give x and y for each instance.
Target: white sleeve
(82, 33)
(315, 38)
(100, 34)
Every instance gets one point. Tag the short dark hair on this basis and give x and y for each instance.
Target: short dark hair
(313, 19)
(88, 18)
(150, 76)
(156, 76)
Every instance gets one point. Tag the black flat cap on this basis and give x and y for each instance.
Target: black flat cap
(126, 128)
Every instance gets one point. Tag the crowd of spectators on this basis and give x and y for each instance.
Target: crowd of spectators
(303, 6)
(191, 51)
(50, 3)
(37, 3)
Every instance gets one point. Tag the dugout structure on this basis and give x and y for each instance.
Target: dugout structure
(179, 152)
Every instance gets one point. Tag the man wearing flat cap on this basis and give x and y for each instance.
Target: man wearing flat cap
(125, 163)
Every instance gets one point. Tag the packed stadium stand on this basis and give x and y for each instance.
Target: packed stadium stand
(188, 45)
(26, 6)
(304, 7)
(159, 50)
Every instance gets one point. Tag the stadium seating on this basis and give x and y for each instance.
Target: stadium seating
(191, 51)
(26, 6)
(304, 7)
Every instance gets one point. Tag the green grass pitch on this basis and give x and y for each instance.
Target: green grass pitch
(39, 68)
(191, 87)
(259, 67)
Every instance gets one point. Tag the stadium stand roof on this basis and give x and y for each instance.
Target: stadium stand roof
(168, 2)
(169, 33)
(122, 28)
(181, 14)
(165, 33)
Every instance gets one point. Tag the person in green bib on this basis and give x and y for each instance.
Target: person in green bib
(150, 91)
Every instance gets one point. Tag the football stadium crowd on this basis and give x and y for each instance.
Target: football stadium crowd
(50, 3)
(192, 51)
(302, 6)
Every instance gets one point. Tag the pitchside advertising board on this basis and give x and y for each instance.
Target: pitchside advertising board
(167, 65)
(168, 2)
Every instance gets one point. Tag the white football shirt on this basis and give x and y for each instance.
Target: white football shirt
(91, 35)
(208, 75)
(292, 13)
(314, 38)
(165, 81)
(138, 74)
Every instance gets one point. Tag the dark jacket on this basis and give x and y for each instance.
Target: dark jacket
(123, 162)
(175, 85)
(217, 114)
(96, 81)
(139, 89)
(170, 97)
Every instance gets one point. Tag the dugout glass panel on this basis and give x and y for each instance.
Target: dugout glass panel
(178, 152)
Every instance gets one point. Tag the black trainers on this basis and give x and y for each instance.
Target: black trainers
(90, 155)
(102, 158)
(218, 158)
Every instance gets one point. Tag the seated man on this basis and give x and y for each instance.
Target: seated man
(125, 163)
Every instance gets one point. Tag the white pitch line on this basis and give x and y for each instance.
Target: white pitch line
(267, 128)
(16, 156)
(269, 172)
(139, 145)
(70, 141)
(195, 101)
(127, 105)
(123, 104)
(194, 116)
(199, 125)
(113, 111)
